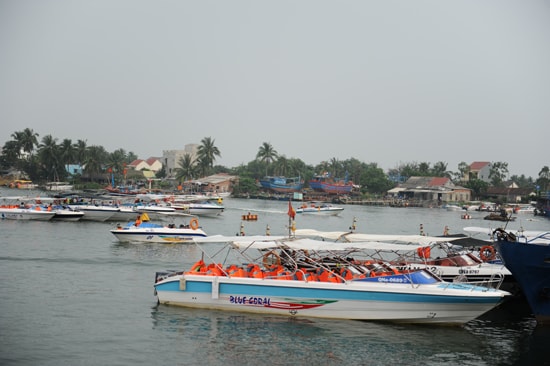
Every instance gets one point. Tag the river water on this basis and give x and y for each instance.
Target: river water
(72, 295)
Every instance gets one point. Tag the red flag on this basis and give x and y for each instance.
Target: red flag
(291, 211)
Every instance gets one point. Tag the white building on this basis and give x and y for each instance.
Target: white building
(172, 157)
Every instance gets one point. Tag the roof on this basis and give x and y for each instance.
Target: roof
(213, 179)
(439, 181)
(478, 165)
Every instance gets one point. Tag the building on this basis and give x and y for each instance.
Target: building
(217, 183)
(440, 189)
(171, 158)
(479, 170)
(152, 164)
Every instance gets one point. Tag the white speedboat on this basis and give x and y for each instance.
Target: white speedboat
(319, 209)
(440, 255)
(155, 233)
(66, 213)
(95, 212)
(26, 213)
(311, 278)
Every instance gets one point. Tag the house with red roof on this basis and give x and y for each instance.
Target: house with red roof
(479, 170)
(152, 164)
(435, 189)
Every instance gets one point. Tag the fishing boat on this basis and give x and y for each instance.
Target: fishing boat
(312, 278)
(146, 231)
(282, 184)
(322, 209)
(327, 184)
(527, 256)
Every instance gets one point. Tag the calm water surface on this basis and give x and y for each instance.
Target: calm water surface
(72, 295)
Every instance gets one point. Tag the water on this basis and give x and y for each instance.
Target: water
(72, 295)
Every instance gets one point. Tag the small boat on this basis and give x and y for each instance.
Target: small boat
(66, 213)
(527, 256)
(34, 212)
(149, 232)
(323, 209)
(502, 216)
(282, 184)
(312, 278)
(22, 184)
(95, 212)
(58, 186)
(24, 208)
(327, 184)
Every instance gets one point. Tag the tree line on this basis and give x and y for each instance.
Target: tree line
(46, 160)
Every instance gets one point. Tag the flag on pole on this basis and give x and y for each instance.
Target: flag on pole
(291, 211)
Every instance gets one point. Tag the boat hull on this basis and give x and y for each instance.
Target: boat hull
(334, 211)
(282, 184)
(157, 235)
(359, 300)
(26, 214)
(95, 213)
(530, 266)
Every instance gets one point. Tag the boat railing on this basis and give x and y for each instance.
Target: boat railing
(493, 282)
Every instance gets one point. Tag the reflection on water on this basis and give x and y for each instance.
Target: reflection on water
(228, 338)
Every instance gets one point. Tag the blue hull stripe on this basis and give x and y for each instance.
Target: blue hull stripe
(262, 290)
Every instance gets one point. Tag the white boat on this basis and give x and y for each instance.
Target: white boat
(156, 233)
(310, 278)
(25, 213)
(95, 212)
(440, 255)
(453, 207)
(66, 213)
(319, 209)
(58, 186)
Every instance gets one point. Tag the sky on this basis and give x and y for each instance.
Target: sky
(389, 82)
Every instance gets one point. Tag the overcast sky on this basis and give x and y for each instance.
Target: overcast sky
(387, 81)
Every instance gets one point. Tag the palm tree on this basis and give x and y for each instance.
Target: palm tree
(67, 151)
(81, 151)
(207, 153)
(186, 168)
(544, 178)
(49, 158)
(267, 154)
(93, 165)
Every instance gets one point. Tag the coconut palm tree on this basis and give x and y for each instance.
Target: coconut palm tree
(67, 151)
(186, 168)
(206, 153)
(267, 154)
(49, 158)
(95, 158)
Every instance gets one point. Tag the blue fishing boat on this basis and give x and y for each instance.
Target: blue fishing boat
(282, 184)
(528, 258)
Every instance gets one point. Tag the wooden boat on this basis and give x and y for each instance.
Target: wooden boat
(282, 184)
(327, 184)
(309, 278)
